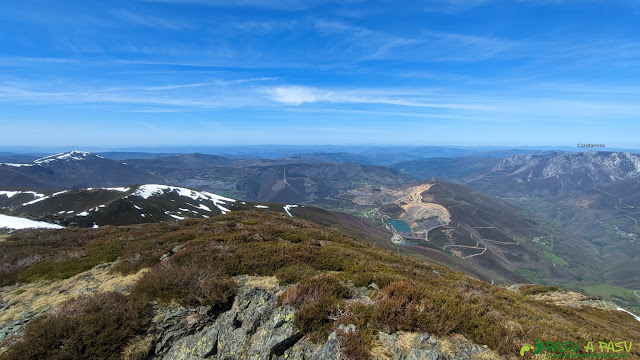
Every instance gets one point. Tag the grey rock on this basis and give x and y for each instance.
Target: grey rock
(255, 307)
(420, 354)
(197, 346)
(232, 344)
(389, 341)
(331, 348)
(423, 339)
(276, 335)
(253, 329)
(302, 350)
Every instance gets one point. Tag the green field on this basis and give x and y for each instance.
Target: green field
(555, 258)
(605, 290)
(531, 275)
(625, 297)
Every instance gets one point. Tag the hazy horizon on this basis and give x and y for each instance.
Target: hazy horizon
(290, 150)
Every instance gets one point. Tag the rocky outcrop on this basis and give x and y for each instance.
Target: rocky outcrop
(412, 346)
(256, 329)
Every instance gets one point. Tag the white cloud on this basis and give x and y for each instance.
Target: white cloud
(297, 95)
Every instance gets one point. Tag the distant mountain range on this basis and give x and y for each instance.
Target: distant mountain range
(75, 169)
(257, 180)
(516, 176)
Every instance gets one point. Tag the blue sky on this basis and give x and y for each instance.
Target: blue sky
(213, 72)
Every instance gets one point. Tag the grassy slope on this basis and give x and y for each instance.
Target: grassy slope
(414, 295)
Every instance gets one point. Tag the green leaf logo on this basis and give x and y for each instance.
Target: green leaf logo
(525, 348)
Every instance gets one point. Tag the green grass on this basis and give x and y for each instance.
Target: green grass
(607, 291)
(529, 274)
(623, 296)
(546, 247)
(520, 239)
(555, 258)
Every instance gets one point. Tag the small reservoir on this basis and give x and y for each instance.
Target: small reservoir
(400, 226)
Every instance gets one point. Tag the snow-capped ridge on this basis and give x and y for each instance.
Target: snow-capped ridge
(148, 190)
(71, 155)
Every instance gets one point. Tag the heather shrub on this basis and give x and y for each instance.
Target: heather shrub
(189, 285)
(534, 289)
(96, 327)
(353, 346)
(294, 273)
(316, 299)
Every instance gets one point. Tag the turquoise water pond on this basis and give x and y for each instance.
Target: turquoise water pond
(400, 226)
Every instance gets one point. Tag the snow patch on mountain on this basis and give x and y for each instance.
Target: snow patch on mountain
(16, 165)
(35, 201)
(121, 189)
(14, 222)
(200, 206)
(11, 194)
(287, 209)
(629, 312)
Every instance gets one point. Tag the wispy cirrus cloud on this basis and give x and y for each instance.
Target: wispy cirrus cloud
(372, 43)
(423, 45)
(275, 4)
(152, 21)
(454, 6)
(215, 94)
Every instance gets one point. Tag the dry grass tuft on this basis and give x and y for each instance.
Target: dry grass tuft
(379, 351)
(406, 341)
(138, 349)
(265, 282)
(36, 296)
